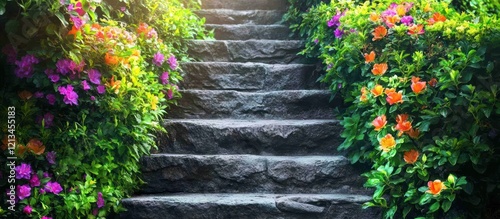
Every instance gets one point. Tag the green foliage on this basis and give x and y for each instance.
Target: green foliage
(91, 82)
(424, 110)
(488, 7)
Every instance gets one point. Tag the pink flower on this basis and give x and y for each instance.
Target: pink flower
(101, 89)
(39, 94)
(100, 200)
(53, 187)
(34, 181)
(27, 209)
(23, 191)
(92, 98)
(158, 59)
(172, 61)
(85, 85)
(51, 98)
(70, 96)
(164, 78)
(45, 217)
(23, 171)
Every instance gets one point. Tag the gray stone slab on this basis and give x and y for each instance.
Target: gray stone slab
(246, 4)
(250, 31)
(227, 16)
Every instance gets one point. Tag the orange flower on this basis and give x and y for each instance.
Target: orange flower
(374, 17)
(416, 29)
(377, 90)
(379, 33)
(401, 10)
(96, 26)
(438, 17)
(36, 146)
(392, 20)
(73, 31)
(387, 143)
(389, 90)
(379, 122)
(379, 69)
(364, 94)
(416, 85)
(433, 82)
(403, 127)
(114, 84)
(143, 28)
(413, 133)
(5, 143)
(394, 97)
(435, 187)
(25, 95)
(369, 57)
(411, 156)
(21, 149)
(111, 59)
(401, 118)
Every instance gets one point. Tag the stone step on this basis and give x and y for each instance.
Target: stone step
(245, 4)
(248, 206)
(249, 32)
(265, 51)
(249, 76)
(227, 16)
(264, 137)
(288, 104)
(248, 173)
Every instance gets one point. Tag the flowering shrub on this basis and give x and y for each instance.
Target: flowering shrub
(86, 84)
(421, 82)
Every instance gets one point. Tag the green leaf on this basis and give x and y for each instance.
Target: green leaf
(434, 207)
(61, 18)
(446, 205)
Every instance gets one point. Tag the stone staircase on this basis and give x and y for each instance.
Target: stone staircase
(253, 136)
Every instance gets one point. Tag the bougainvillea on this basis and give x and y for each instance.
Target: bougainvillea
(421, 83)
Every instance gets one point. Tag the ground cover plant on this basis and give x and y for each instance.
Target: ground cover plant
(84, 87)
(420, 80)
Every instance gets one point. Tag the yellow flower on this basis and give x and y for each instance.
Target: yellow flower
(387, 143)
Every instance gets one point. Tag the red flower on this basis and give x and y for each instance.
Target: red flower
(433, 82)
(411, 156)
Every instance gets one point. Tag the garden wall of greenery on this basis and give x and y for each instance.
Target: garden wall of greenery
(84, 86)
(421, 83)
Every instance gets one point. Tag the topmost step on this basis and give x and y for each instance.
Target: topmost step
(245, 4)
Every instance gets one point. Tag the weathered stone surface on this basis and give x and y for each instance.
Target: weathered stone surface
(249, 31)
(247, 173)
(226, 16)
(251, 206)
(278, 137)
(249, 76)
(265, 51)
(289, 104)
(246, 4)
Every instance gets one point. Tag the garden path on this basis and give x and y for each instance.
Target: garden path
(254, 135)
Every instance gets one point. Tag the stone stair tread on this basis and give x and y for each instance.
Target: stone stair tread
(245, 4)
(250, 31)
(238, 123)
(229, 16)
(282, 104)
(248, 205)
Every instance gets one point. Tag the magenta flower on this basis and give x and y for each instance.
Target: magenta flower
(164, 78)
(338, 33)
(23, 171)
(85, 85)
(158, 59)
(407, 20)
(51, 157)
(46, 175)
(70, 96)
(53, 187)
(172, 61)
(170, 93)
(100, 200)
(34, 181)
(24, 67)
(42, 191)
(48, 119)
(51, 98)
(77, 8)
(10, 52)
(45, 217)
(94, 76)
(316, 41)
(65, 66)
(92, 98)
(77, 21)
(38, 94)
(27, 209)
(101, 89)
(23, 191)
(123, 9)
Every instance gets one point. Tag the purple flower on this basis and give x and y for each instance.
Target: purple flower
(335, 21)
(389, 13)
(48, 119)
(23, 191)
(53, 187)
(24, 67)
(172, 61)
(45, 217)
(23, 171)
(101, 89)
(70, 96)
(54, 78)
(46, 175)
(100, 200)
(51, 157)
(338, 33)
(158, 59)
(164, 78)
(34, 181)
(94, 76)
(316, 41)
(51, 98)
(85, 85)
(77, 21)
(65, 66)
(42, 191)
(170, 93)
(407, 20)
(39, 94)
(152, 34)
(92, 98)
(27, 209)
(95, 211)
(78, 9)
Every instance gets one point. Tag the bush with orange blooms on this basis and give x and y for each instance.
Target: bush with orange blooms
(422, 85)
